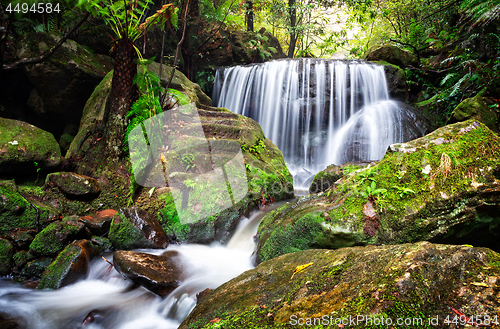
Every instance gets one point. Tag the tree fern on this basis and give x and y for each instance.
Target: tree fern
(482, 12)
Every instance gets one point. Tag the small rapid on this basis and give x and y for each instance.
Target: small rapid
(106, 300)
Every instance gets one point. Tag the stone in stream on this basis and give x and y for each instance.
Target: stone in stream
(6, 252)
(134, 227)
(443, 188)
(418, 282)
(160, 274)
(70, 265)
(100, 223)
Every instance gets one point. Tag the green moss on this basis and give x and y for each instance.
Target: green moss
(475, 108)
(124, 235)
(15, 211)
(35, 268)
(52, 239)
(6, 251)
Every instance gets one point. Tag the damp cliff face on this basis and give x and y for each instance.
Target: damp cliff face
(319, 112)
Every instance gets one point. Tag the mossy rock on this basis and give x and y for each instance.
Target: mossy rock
(17, 213)
(26, 149)
(443, 187)
(74, 185)
(35, 268)
(475, 108)
(393, 55)
(134, 228)
(54, 238)
(418, 282)
(6, 252)
(70, 265)
(396, 80)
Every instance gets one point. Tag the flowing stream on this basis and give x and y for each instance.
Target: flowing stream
(113, 301)
(318, 112)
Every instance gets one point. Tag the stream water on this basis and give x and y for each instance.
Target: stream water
(113, 301)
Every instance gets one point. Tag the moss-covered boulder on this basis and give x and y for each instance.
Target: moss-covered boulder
(70, 265)
(133, 228)
(443, 187)
(6, 252)
(63, 82)
(54, 238)
(393, 55)
(475, 108)
(422, 283)
(26, 149)
(34, 269)
(74, 185)
(267, 175)
(325, 179)
(16, 212)
(160, 274)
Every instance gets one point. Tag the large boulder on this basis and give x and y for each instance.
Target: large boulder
(475, 108)
(266, 173)
(411, 285)
(393, 55)
(443, 187)
(133, 228)
(63, 82)
(70, 265)
(26, 149)
(160, 274)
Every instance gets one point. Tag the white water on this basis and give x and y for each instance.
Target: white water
(117, 305)
(318, 112)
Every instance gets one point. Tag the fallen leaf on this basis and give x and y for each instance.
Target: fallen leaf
(480, 284)
(216, 320)
(300, 268)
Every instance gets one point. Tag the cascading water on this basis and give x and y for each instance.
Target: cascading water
(113, 301)
(318, 112)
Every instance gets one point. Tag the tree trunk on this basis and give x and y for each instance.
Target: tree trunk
(292, 11)
(249, 15)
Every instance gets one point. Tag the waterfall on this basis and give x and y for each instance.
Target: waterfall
(318, 112)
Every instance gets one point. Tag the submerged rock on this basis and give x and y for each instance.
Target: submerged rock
(70, 265)
(133, 228)
(443, 187)
(26, 149)
(160, 274)
(74, 185)
(422, 282)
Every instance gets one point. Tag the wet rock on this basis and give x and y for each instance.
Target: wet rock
(160, 274)
(70, 265)
(26, 149)
(393, 55)
(100, 223)
(103, 243)
(325, 179)
(6, 252)
(20, 259)
(414, 281)
(203, 294)
(443, 188)
(52, 239)
(21, 238)
(396, 80)
(475, 108)
(63, 82)
(6, 322)
(74, 185)
(35, 268)
(133, 228)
